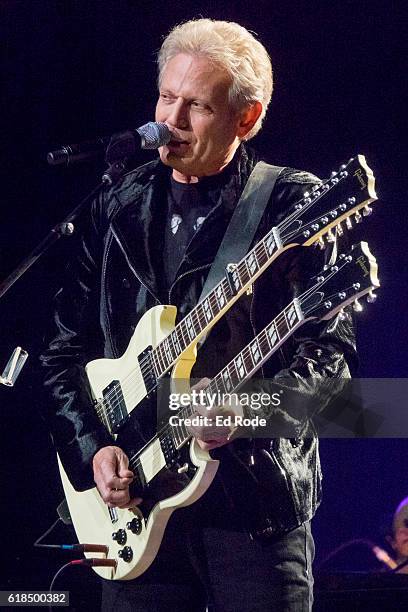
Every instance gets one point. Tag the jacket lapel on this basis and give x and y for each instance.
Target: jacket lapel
(139, 229)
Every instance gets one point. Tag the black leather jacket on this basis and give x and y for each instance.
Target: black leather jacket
(116, 277)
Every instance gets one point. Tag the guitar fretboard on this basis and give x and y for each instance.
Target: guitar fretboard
(201, 317)
(243, 366)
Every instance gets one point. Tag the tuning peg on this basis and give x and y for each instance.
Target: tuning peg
(357, 307)
(357, 217)
(321, 243)
(330, 237)
(339, 230)
(349, 224)
(367, 211)
(371, 297)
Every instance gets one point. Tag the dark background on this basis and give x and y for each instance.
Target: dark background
(73, 70)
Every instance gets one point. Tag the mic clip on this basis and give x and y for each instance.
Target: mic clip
(114, 172)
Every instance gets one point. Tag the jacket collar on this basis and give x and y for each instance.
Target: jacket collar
(139, 224)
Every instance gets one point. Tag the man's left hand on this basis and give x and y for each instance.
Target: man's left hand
(210, 435)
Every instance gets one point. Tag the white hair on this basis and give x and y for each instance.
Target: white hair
(231, 47)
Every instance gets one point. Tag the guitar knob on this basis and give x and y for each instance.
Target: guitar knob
(120, 536)
(126, 554)
(367, 211)
(371, 297)
(349, 224)
(135, 526)
(357, 307)
(357, 217)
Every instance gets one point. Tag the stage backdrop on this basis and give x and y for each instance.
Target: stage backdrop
(74, 70)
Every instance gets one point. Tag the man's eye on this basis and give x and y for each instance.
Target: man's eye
(166, 97)
(200, 106)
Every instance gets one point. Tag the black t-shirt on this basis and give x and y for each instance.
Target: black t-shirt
(187, 205)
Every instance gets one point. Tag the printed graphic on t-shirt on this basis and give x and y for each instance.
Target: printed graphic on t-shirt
(175, 222)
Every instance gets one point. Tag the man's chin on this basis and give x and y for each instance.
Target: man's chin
(176, 161)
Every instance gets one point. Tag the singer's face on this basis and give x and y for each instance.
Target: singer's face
(193, 102)
(400, 543)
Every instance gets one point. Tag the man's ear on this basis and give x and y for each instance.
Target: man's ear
(390, 541)
(249, 116)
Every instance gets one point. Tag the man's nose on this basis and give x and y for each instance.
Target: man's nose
(178, 116)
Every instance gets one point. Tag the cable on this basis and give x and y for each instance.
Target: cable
(380, 554)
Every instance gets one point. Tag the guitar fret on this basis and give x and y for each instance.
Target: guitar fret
(269, 244)
(240, 367)
(252, 263)
(190, 327)
(160, 361)
(226, 289)
(176, 342)
(255, 352)
(264, 345)
(272, 334)
(291, 315)
(212, 386)
(261, 254)
(236, 279)
(220, 296)
(282, 328)
(226, 379)
(246, 274)
(234, 376)
(176, 434)
(196, 319)
(249, 364)
(206, 307)
(163, 354)
(167, 350)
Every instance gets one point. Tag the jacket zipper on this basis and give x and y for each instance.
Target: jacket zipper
(185, 274)
(105, 281)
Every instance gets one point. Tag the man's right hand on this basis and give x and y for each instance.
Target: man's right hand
(113, 477)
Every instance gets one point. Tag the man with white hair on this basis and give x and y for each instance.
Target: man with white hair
(237, 548)
(399, 537)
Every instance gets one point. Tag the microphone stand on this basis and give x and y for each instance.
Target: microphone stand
(66, 228)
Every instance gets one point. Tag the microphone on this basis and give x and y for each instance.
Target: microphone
(149, 136)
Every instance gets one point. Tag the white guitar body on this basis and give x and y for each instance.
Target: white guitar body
(94, 522)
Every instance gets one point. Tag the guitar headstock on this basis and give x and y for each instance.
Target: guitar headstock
(350, 278)
(321, 212)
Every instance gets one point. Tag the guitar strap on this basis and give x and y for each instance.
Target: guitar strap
(243, 225)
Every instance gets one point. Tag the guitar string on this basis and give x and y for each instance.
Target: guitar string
(115, 402)
(211, 298)
(279, 319)
(130, 390)
(262, 339)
